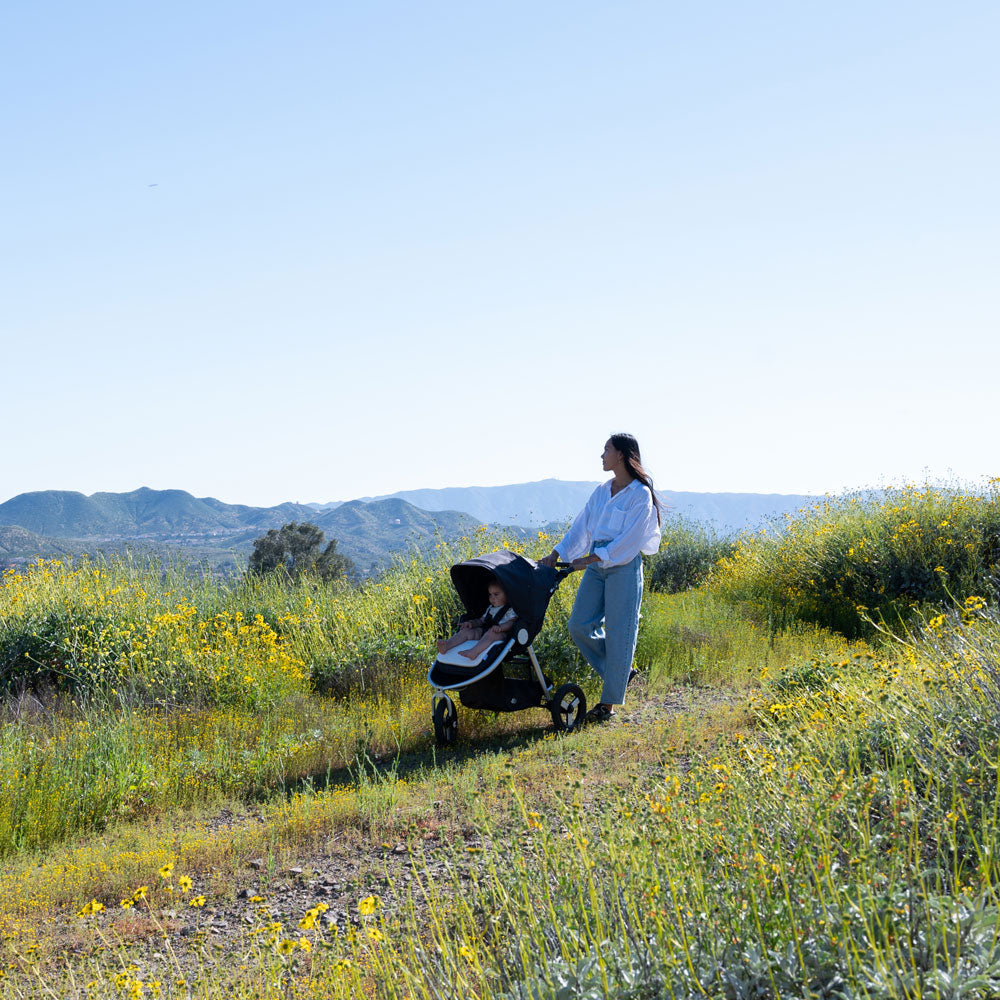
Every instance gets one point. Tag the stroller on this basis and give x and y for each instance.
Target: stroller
(506, 677)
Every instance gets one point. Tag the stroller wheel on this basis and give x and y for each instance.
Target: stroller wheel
(445, 721)
(568, 707)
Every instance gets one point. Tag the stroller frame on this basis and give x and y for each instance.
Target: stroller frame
(484, 685)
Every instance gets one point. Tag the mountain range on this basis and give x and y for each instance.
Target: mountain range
(59, 522)
(369, 530)
(553, 501)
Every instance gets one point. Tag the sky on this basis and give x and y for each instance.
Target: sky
(317, 251)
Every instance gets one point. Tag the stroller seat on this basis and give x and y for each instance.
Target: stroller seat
(454, 656)
(507, 676)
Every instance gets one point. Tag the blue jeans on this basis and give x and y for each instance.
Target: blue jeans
(605, 623)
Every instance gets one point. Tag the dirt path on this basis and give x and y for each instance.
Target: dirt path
(348, 867)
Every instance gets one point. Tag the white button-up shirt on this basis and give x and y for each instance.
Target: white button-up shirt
(623, 525)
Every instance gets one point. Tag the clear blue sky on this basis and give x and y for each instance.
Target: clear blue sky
(313, 251)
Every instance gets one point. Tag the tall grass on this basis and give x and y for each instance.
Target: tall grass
(125, 632)
(154, 689)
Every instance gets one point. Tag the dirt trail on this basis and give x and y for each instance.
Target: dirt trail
(347, 869)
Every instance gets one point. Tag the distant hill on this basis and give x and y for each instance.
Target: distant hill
(553, 501)
(139, 514)
(367, 531)
(732, 512)
(525, 504)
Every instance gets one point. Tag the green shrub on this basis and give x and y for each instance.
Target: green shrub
(688, 551)
(854, 560)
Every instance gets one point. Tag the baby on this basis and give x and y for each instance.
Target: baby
(488, 629)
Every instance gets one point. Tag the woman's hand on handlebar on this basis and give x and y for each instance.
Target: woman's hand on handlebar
(550, 560)
(584, 561)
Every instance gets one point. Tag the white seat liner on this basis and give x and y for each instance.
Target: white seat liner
(454, 657)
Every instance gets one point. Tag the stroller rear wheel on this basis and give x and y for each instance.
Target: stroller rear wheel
(568, 707)
(445, 721)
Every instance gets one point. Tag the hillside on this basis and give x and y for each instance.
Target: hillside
(15, 542)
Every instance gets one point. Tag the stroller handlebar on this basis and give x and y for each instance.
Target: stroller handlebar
(564, 570)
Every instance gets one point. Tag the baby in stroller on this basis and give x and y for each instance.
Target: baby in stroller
(495, 622)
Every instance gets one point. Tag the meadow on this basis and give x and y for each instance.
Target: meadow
(232, 790)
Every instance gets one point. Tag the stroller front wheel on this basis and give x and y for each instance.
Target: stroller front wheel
(568, 707)
(445, 721)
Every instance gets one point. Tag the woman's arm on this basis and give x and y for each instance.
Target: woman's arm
(576, 541)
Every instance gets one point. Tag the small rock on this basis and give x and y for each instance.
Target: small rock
(243, 894)
(257, 863)
(293, 871)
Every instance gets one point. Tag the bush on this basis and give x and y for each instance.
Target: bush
(297, 549)
(875, 557)
(687, 554)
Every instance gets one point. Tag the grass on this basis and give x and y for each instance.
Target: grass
(786, 809)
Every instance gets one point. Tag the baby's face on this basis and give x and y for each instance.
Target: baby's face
(497, 597)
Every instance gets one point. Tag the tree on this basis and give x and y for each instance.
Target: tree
(296, 549)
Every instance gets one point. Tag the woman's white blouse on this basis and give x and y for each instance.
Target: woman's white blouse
(623, 525)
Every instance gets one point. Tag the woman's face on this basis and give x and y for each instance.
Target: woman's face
(611, 457)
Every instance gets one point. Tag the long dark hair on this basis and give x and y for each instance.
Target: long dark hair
(629, 447)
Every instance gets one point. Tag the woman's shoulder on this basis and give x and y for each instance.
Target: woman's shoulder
(601, 491)
(638, 492)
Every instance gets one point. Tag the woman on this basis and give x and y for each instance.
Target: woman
(620, 522)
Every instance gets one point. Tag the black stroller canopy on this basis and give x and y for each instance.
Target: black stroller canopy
(527, 585)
